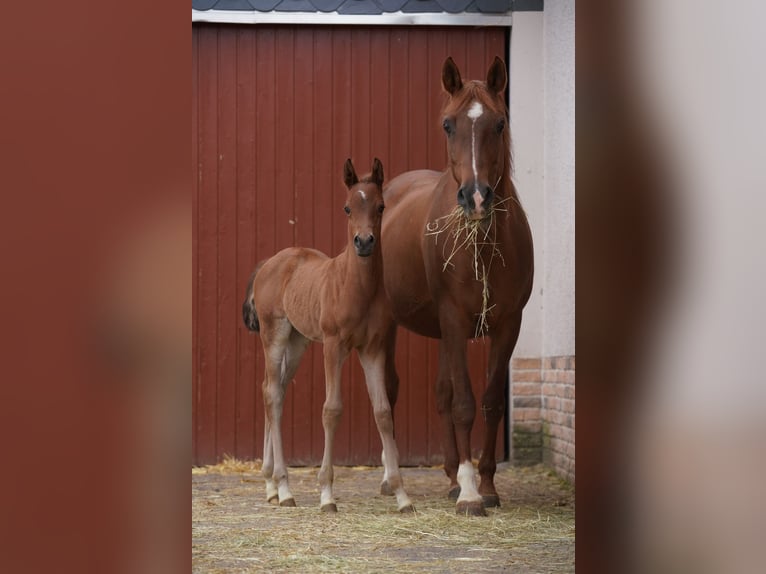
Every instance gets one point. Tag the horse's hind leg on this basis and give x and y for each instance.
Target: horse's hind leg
(392, 392)
(267, 468)
(373, 364)
(296, 346)
(275, 336)
(493, 406)
(334, 356)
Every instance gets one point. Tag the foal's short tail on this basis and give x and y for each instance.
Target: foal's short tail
(249, 315)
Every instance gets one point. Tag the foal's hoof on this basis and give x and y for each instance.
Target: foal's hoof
(454, 493)
(274, 499)
(491, 500)
(385, 489)
(409, 509)
(287, 502)
(331, 507)
(471, 508)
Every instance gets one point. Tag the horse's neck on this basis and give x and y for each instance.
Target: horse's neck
(360, 274)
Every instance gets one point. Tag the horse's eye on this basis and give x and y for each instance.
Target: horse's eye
(381, 208)
(500, 125)
(447, 125)
(347, 209)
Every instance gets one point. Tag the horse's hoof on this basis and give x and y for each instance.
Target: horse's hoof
(274, 499)
(491, 500)
(471, 508)
(454, 493)
(287, 502)
(385, 489)
(409, 509)
(331, 507)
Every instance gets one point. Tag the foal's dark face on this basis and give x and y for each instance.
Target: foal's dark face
(474, 122)
(364, 207)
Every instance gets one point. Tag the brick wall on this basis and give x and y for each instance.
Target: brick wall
(543, 413)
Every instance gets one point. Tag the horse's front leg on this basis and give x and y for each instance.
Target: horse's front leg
(392, 392)
(453, 356)
(334, 356)
(373, 362)
(444, 408)
(493, 405)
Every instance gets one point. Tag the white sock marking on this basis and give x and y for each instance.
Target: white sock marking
(466, 478)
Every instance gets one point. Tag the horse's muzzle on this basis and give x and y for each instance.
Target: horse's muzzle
(365, 246)
(475, 200)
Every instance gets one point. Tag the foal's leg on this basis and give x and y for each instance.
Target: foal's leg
(493, 405)
(392, 392)
(373, 364)
(275, 336)
(453, 352)
(267, 468)
(334, 356)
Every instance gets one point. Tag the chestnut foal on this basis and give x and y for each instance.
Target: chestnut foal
(301, 295)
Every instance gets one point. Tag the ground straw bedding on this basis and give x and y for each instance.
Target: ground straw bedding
(234, 529)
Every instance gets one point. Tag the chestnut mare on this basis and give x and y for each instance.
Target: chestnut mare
(457, 250)
(300, 295)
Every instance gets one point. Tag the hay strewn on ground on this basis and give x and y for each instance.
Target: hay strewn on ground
(234, 529)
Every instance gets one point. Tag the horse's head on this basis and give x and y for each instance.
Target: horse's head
(364, 206)
(478, 143)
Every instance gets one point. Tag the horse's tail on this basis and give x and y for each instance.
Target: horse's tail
(249, 315)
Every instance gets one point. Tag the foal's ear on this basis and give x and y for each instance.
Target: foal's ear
(349, 174)
(497, 77)
(377, 172)
(451, 81)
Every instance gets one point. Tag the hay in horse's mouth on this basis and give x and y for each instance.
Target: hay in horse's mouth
(472, 235)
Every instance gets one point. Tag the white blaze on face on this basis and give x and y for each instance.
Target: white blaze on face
(364, 197)
(475, 112)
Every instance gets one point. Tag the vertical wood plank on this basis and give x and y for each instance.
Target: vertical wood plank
(207, 250)
(304, 408)
(247, 342)
(326, 180)
(227, 242)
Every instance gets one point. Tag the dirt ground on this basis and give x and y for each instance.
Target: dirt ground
(234, 528)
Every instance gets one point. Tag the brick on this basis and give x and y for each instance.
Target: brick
(528, 426)
(569, 391)
(570, 450)
(548, 362)
(526, 414)
(565, 362)
(527, 456)
(526, 363)
(552, 403)
(527, 440)
(522, 376)
(528, 402)
(567, 405)
(552, 390)
(554, 376)
(525, 389)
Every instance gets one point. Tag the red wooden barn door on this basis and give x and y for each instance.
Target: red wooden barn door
(276, 110)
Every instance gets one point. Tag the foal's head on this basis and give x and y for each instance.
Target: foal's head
(364, 206)
(475, 121)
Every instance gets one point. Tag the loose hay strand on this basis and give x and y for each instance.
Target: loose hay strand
(468, 234)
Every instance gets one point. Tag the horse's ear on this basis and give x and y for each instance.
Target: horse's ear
(377, 172)
(349, 174)
(451, 81)
(497, 77)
